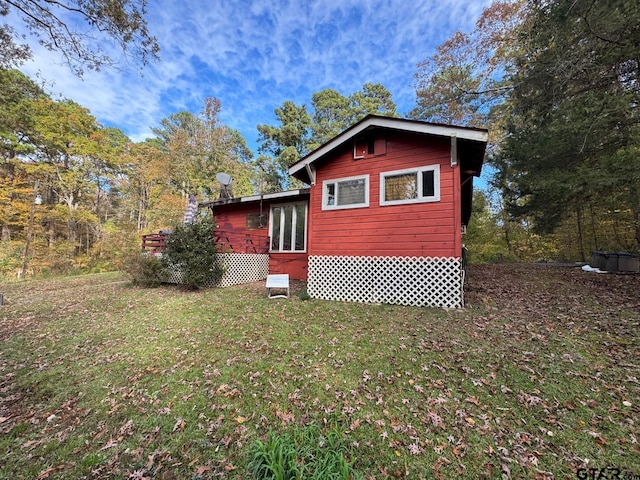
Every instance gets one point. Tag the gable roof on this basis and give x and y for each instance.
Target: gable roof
(474, 138)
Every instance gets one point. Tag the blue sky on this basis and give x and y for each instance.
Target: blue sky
(255, 54)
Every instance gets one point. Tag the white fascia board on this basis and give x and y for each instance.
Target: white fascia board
(271, 196)
(476, 135)
(253, 198)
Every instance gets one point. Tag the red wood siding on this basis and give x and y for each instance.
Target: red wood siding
(231, 219)
(295, 264)
(420, 229)
(231, 223)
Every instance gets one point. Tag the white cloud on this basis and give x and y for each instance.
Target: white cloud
(254, 55)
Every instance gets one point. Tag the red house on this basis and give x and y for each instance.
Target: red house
(382, 219)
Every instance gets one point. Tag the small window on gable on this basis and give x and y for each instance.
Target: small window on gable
(351, 192)
(360, 148)
(410, 186)
(368, 146)
(371, 146)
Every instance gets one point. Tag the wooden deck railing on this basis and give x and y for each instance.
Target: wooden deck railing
(154, 242)
(227, 242)
(241, 242)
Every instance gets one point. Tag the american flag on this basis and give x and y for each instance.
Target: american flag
(192, 208)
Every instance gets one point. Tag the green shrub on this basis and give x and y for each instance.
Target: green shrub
(304, 294)
(146, 270)
(306, 453)
(191, 248)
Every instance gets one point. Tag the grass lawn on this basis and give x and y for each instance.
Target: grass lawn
(536, 378)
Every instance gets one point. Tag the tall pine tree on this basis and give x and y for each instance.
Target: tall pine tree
(574, 134)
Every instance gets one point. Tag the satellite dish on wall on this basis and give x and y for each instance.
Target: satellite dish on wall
(225, 181)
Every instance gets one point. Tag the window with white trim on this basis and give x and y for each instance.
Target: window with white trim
(414, 185)
(288, 227)
(349, 192)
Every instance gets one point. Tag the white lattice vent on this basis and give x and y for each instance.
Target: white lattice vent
(415, 281)
(242, 268)
(175, 274)
(239, 268)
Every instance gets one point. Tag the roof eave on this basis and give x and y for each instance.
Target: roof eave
(299, 169)
(255, 198)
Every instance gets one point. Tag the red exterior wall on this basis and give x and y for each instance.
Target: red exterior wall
(295, 264)
(231, 223)
(420, 229)
(233, 218)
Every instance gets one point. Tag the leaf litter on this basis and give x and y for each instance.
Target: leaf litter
(536, 378)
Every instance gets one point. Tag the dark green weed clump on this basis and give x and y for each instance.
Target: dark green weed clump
(302, 453)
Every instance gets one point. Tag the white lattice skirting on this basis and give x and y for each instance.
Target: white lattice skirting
(238, 268)
(416, 281)
(242, 268)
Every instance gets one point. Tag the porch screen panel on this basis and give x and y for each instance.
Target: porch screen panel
(351, 192)
(288, 227)
(301, 221)
(275, 231)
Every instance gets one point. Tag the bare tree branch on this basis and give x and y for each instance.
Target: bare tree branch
(123, 21)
